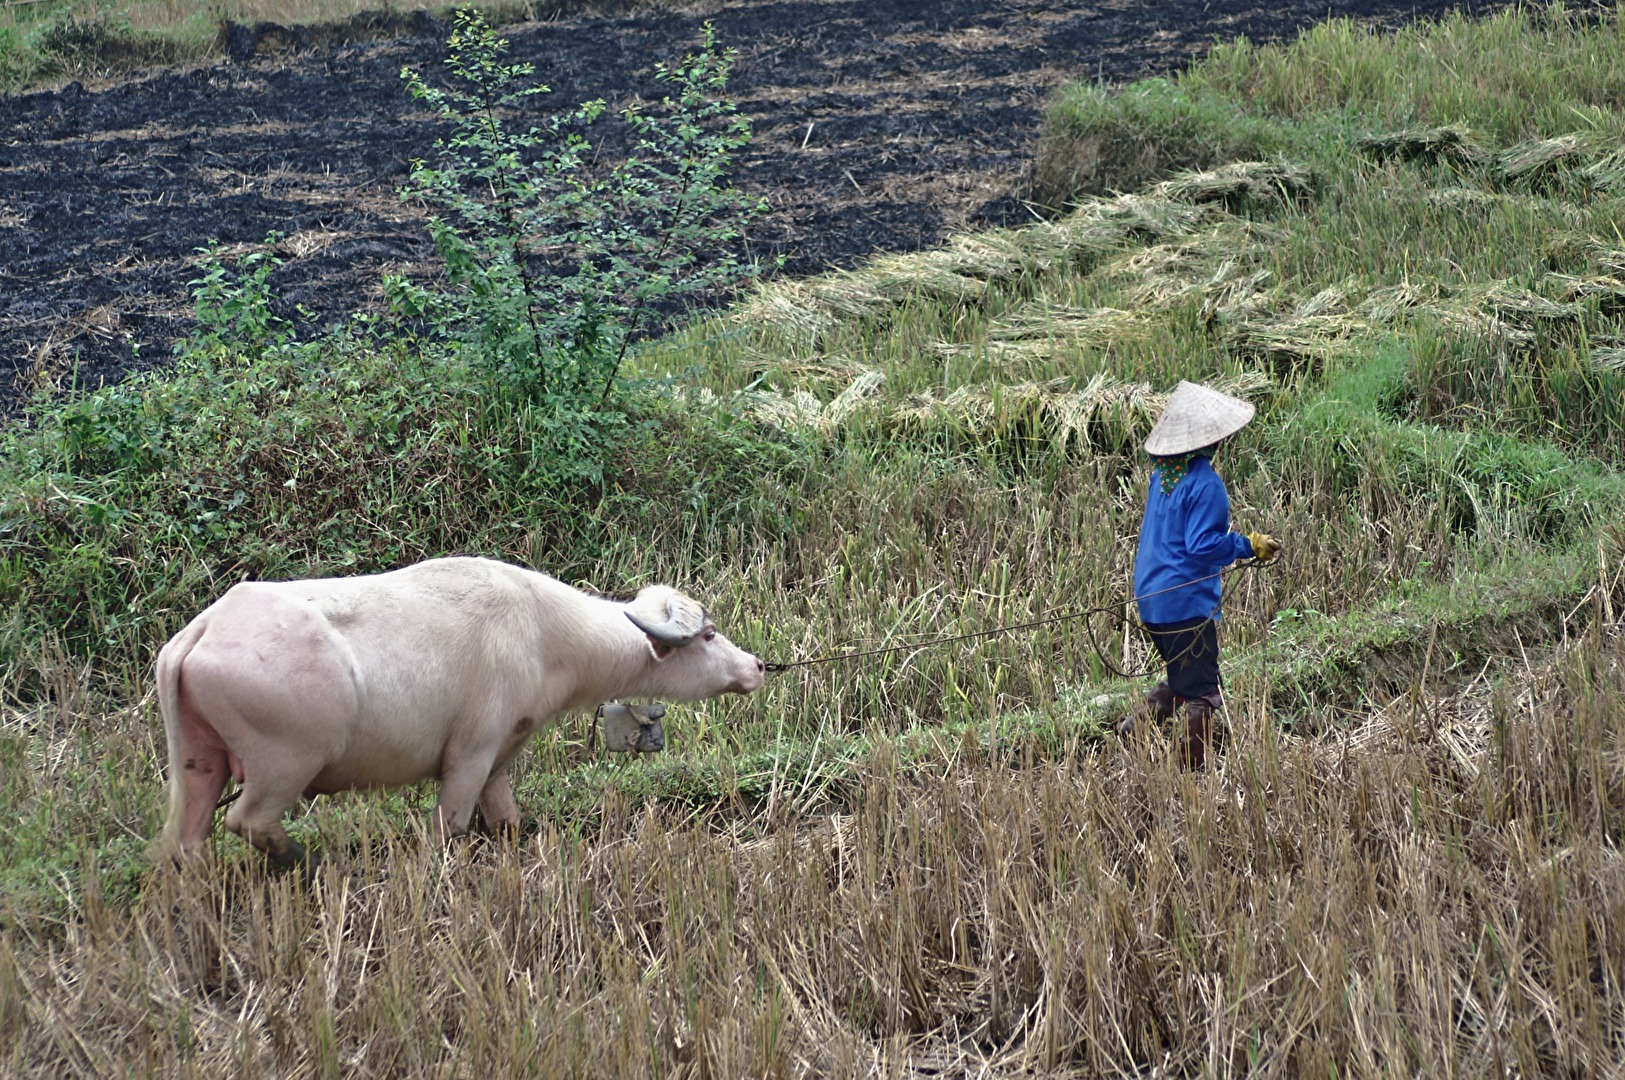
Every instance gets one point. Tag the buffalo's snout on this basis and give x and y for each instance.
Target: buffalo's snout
(752, 680)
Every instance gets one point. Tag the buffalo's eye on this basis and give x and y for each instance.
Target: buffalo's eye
(710, 635)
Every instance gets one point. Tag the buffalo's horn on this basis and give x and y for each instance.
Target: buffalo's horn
(684, 621)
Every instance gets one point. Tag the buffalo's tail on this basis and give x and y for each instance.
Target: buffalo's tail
(180, 730)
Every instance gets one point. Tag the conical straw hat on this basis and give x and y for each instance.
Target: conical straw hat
(1194, 417)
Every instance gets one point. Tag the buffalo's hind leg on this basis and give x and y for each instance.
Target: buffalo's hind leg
(203, 777)
(257, 815)
(199, 766)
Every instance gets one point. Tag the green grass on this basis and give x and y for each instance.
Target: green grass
(930, 446)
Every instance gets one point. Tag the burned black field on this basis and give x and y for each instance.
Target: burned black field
(878, 127)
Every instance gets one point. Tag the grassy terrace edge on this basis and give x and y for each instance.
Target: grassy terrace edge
(1439, 640)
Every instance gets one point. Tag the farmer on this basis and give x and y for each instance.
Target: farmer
(1184, 542)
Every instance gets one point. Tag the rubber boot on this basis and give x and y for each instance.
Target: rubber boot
(1158, 708)
(1199, 721)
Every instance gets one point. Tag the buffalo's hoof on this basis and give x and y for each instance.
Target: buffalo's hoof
(295, 859)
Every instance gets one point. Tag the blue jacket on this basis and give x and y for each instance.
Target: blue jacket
(1186, 536)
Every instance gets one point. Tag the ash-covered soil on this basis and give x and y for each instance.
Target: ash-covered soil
(880, 125)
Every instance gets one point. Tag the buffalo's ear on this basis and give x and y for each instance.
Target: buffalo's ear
(666, 616)
(660, 648)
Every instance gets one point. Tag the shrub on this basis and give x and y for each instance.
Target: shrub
(235, 310)
(554, 267)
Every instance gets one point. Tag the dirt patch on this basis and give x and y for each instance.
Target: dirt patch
(881, 125)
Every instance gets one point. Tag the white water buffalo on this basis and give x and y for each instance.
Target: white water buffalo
(443, 669)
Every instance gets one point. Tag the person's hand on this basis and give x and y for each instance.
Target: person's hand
(1265, 546)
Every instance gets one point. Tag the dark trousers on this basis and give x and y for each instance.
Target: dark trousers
(1191, 651)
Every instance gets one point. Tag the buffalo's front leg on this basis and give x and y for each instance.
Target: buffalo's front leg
(460, 787)
(497, 805)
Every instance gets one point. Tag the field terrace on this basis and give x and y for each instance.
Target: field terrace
(1402, 247)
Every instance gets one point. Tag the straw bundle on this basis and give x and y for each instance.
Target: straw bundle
(788, 308)
(1103, 224)
(1471, 322)
(1530, 160)
(1608, 359)
(1605, 290)
(1104, 413)
(1611, 261)
(1515, 306)
(1452, 144)
(1387, 305)
(1465, 198)
(799, 409)
(1242, 184)
(1293, 341)
(1606, 173)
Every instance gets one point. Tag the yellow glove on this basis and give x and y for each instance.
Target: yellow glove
(1265, 546)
